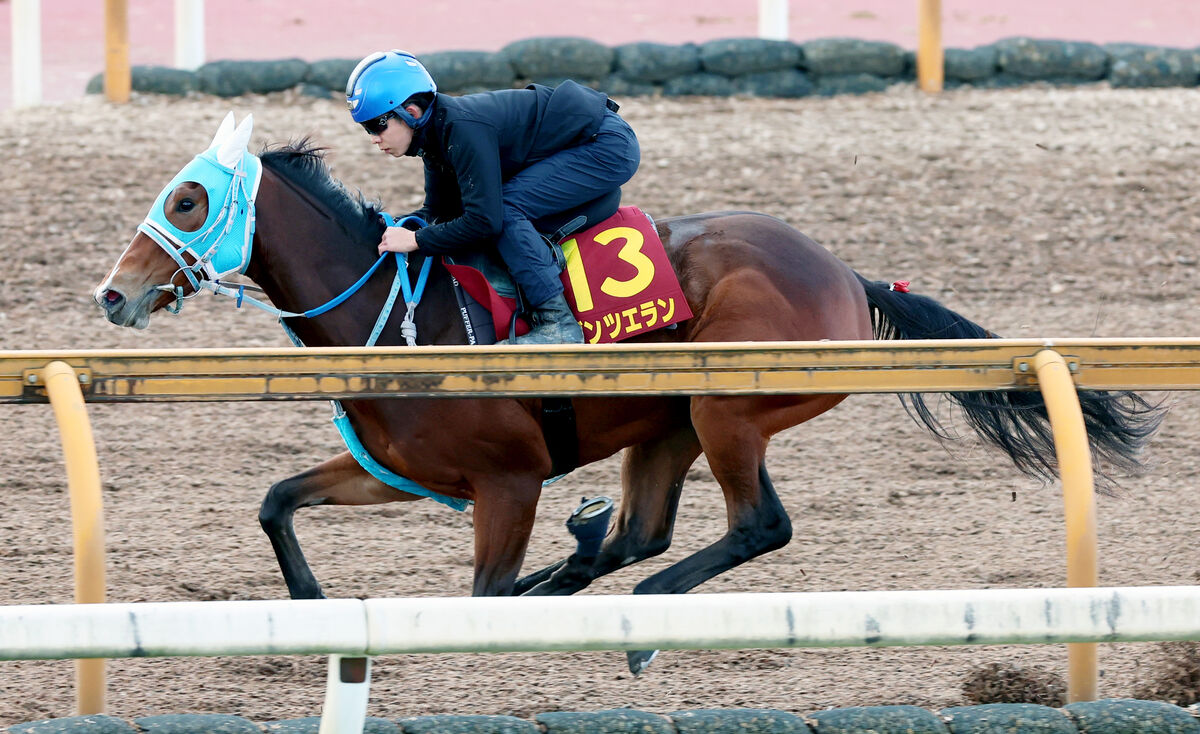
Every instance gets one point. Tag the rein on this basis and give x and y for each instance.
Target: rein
(235, 183)
(238, 206)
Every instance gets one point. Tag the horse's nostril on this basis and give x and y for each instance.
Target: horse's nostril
(112, 298)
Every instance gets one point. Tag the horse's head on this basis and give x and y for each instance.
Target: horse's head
(199, 229)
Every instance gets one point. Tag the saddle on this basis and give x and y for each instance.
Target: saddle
(616, 275)
(491, 303)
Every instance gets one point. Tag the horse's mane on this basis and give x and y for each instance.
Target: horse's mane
(302, 163)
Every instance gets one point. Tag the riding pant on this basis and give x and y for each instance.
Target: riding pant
(562, 181)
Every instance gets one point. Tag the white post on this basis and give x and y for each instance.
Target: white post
(773, 19)
(26, 23)
(189, 34)
(346, 690)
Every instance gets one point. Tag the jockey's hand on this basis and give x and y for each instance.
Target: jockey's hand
(397, 239)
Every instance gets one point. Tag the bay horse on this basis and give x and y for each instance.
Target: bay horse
(746, 277)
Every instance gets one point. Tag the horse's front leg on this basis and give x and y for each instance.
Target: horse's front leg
(503, 517)
(652, 473)
(339, 481)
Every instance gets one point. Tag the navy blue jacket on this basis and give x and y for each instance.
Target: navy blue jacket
(474, 143)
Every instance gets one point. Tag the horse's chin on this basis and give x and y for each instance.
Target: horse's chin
(139, 320)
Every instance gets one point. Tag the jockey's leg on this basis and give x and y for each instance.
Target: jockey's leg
(565, 180)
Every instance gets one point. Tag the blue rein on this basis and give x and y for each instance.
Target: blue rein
(410, 298)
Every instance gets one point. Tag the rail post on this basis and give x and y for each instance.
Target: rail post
(773, 19)
(189, 34)
(931, 59)
(26, 22)
(117, 79)
(87, 516)
(347, 688)
(1079, 502)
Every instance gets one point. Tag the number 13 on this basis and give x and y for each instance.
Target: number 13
(631, 252)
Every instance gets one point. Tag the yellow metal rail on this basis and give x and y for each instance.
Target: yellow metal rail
(747, 368)
(930, 54)
(1079, 502)
(87, 516)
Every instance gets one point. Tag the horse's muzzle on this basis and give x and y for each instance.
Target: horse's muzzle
(118, 310)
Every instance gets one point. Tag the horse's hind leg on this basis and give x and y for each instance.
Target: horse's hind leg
(734, 433)
(339, 481)
(652, 475)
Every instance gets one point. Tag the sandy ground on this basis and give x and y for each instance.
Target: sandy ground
(1036, 212)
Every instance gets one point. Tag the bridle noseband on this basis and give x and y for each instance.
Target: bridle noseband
(223, 243)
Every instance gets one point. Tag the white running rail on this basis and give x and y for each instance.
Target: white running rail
(351, 630)
(608, 622)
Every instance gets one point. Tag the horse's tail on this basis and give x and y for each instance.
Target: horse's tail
(1118, 423)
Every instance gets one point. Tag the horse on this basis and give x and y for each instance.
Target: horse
(746, 277)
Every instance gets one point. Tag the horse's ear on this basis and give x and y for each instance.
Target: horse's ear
(223, 132)
(234, 146)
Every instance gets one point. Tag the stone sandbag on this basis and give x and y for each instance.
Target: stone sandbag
(655, 62)
(877, 720)
(575, 58)
(1007, 718)
(619, 721)
(736, 56)
(153, 80)
(738, 721)
(331, 73)
(312, 725)
(617, 86)
(455, 71)
(91, 724)
(837, 56)
(970, 65)
(702, 84)
(196, 724)
(235, 78)
(1151, 66)
(467, 725)
(1127, 716)
(829, 86)
(781, 83)
(1032, 58)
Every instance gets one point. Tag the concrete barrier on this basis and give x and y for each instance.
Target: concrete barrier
(726, 67)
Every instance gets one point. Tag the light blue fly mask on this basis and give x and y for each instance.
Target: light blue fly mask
(230, 176)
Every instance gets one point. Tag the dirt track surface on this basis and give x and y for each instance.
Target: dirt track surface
(1035, 212)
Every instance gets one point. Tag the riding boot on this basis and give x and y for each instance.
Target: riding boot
(553, 323)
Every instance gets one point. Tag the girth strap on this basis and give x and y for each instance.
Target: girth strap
(562, 439)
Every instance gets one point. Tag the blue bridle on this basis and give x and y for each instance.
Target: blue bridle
(222, 244)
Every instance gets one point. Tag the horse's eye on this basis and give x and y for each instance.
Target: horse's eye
(186, 205)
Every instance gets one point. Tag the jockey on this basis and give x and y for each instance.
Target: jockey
(494, 162)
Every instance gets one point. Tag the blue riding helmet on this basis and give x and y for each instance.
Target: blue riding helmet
(382, 82)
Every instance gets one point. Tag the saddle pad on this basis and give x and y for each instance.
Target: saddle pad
(617, 279)
(501, 308)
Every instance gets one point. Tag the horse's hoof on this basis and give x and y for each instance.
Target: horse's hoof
(639, 660)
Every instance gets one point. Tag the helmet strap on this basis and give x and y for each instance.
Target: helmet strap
(416, 123)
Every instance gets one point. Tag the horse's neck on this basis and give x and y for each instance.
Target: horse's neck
(302, 260)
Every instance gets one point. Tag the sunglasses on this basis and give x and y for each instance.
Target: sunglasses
(377, 125)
